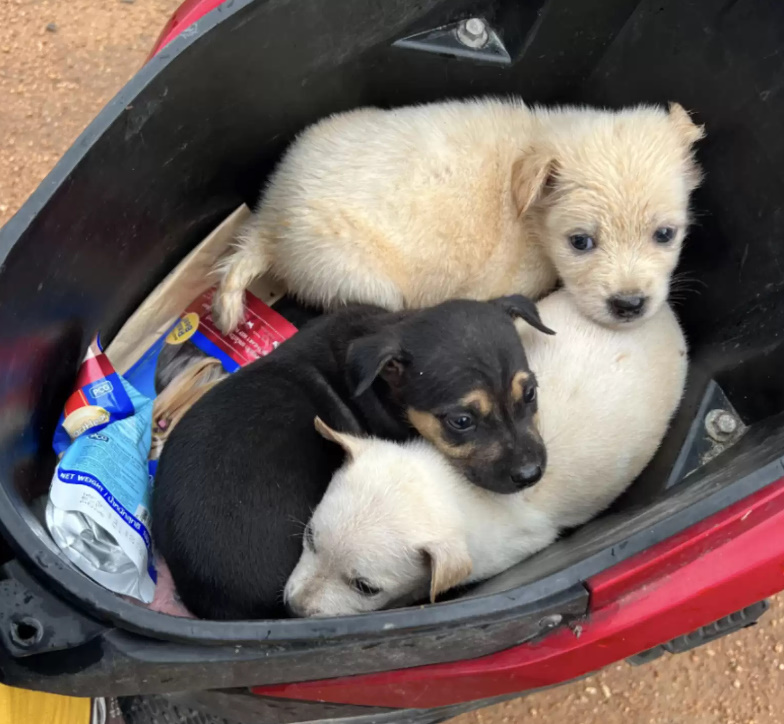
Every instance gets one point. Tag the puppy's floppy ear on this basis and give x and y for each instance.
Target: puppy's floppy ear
(351, 444)
(519, 307)
(688, 129)
(532, 173)
(450, 565)
(368, 357)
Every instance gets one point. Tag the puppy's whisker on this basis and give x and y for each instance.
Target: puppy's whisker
(684, 288)
(683, 278)
(296, 521)
(696, 216)
(684, 274)
(682, 285)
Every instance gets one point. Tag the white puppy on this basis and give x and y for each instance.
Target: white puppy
(477, 199)
(397, 519)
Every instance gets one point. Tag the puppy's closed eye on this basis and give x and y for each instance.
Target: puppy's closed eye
(365, 587)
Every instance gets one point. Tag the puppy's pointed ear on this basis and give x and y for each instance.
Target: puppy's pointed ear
(450, 565)
(689, 131)
(351, 444)
(369, 357)
(519, 307)
(532, 174)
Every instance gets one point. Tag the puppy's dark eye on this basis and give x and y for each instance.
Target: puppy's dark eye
(664, 234)
(582, 242)
(462, 422)
(363, 586)
(529, 394)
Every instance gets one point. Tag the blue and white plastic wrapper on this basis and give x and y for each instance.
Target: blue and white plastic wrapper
(99, 503)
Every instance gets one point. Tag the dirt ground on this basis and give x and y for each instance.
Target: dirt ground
(60, 62)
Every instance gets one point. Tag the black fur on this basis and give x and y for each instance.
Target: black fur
(243, 470)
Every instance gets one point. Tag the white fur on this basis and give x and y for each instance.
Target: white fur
(477, 199)
(398, 515)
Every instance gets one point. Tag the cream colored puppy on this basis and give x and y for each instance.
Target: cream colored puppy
(398, 520)
(478, 199)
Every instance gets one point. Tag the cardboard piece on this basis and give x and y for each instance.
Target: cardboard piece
(186, 282)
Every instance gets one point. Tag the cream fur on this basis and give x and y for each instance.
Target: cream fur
(396, 511)
(476, 199)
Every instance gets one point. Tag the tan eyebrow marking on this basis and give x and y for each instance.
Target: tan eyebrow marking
(481, 399)
(518, 385)
(429, 427)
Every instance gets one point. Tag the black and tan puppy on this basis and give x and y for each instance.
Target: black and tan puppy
(243, 470)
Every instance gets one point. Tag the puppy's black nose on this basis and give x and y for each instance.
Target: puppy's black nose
(526, 475)
(626, 306)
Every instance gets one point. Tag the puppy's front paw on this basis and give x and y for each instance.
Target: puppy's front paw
(228, 310)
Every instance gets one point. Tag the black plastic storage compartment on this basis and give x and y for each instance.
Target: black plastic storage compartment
(195, 133)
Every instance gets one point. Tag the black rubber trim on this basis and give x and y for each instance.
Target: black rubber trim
(725, 626)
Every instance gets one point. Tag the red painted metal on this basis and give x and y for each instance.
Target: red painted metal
(716, 567)
(184, 16)
(688, 545)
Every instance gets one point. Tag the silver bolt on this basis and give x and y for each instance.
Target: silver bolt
(721, 424)
(726, 423)
(473, 33)
(550, 621)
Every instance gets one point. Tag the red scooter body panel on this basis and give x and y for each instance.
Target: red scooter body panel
(710, 570)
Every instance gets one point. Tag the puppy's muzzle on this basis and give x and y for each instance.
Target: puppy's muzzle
(526, 475)
(627, 306)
